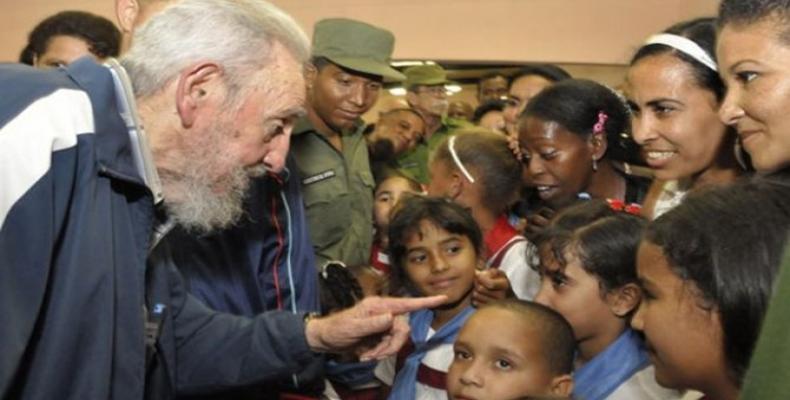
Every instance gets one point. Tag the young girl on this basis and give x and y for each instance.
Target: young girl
(587, 264)
(707, 268)
(530, 355)
(563, 141)
(391, 186)
(435, 247)
(674, 92)
(476, 169)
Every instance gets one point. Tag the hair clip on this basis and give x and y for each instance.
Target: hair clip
(599, 126)
(619, 205)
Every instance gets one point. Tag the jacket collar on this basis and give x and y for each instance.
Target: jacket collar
(123, 156)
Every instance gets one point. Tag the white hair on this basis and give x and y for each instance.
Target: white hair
(236, 34)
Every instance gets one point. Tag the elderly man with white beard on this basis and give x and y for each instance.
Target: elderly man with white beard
(216, 85)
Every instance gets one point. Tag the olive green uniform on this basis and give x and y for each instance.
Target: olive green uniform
(338, 193)
(415, 163)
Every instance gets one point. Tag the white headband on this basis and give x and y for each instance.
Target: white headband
(451, 147)
(685, 45)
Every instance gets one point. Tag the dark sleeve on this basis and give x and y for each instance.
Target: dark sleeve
(216, 350)
(33, 210)
(766, 378)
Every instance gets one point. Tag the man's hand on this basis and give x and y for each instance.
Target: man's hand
(490, 285)
(375, 328)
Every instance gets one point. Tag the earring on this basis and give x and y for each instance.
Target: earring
(595, 164)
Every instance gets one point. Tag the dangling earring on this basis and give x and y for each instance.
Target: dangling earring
(595, 164)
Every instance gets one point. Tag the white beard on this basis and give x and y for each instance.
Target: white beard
(199, 200)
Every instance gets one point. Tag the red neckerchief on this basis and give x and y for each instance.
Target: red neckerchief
(378, 262)
(499, 236)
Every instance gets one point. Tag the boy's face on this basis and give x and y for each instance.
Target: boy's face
(387, 196)
(507, 364)
(440, 262)
(575, 294)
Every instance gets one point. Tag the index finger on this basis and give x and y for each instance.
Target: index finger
(397, 305)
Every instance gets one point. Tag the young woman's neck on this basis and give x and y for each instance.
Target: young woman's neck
(725, 168)
(722, 389)
(606, 182)
(443, 315)
(591, 347)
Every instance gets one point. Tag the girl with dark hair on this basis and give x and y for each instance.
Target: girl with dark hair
(707, 269)
(563, 141)
(476, 169)
(588, 275)
(391, 187)
(674, 92)
(435, 247)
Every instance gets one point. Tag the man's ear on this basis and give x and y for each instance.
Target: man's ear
(411, 98)
(126, 12)
(562, 386)
(196, 84)
(310, 76)
(624, 299)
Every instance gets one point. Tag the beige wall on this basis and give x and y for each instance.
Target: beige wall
(566, 31)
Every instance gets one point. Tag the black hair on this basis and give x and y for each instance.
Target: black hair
(101, 35)
(492, 75)
(488, 157)
(701, 31)
(576, 103)
(604, 240)
(443, 213)
(550, 72)
(556, 335)
(487, 107)
(728, 241)
(744, 12)
(338, 288)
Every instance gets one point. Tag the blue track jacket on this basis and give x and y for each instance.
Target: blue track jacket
(75, 227)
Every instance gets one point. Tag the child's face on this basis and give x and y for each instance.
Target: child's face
(503, 364)
(684, 341)
(387, 196)
(575, 294)
(440, 262)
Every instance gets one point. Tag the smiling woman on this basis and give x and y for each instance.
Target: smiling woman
(674, 92)
(754, 58)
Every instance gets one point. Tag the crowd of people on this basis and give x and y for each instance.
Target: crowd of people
(198, 210)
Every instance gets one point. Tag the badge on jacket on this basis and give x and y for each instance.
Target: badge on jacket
(321, 176)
